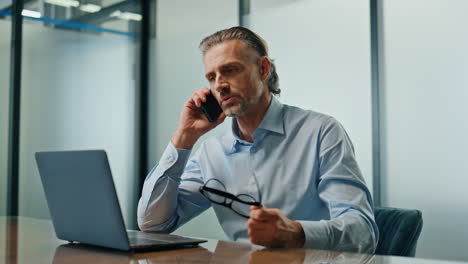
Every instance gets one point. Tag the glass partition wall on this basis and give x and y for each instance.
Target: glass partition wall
(79, 87)
(425, 89)
(322, 53)
(5, 50)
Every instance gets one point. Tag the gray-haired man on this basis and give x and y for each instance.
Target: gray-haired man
(298, 164)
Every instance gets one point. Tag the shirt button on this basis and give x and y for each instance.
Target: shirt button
(251, 182)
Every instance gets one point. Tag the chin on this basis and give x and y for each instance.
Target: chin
(232, 111)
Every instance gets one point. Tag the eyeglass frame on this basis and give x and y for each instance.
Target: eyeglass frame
(226, 196)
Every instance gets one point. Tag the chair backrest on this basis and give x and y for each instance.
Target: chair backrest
(399, 231)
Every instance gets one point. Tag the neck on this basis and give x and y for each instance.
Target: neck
(249, 123)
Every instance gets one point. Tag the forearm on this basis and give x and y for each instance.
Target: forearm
(157, 208)
(184, 139)
(157, 212)
(349, 232)
(342, 188)
(351, 226)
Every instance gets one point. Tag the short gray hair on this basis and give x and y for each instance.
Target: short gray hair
(252, 40)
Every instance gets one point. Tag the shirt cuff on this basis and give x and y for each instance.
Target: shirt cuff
(316, 234)
(173, 161)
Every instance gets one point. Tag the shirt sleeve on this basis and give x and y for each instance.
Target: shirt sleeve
(342, 188)
(170, 195)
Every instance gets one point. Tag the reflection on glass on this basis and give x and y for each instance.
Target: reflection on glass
(117, 17)
(5, 39)
(69, 253)
(321, 256)
(74, 253)
(225, 252)
(336, 52)
(228, 252)
(78, 92)
(280, 256)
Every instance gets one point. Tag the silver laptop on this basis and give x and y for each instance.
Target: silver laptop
(84, 207)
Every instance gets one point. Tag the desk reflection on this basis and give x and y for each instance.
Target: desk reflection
(77, 253)
(225, 252)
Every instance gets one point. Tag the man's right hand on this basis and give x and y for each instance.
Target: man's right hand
(193, 123)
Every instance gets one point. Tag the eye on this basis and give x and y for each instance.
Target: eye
(229, 70)
(210, 78)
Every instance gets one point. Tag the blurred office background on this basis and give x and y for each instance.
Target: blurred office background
(394, 73)
(78, 84)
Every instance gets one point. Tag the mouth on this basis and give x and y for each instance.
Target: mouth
(228, 99)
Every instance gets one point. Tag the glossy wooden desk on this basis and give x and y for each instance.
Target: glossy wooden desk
(27, 240)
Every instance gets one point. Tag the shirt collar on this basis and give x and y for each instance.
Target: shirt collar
(272, 121)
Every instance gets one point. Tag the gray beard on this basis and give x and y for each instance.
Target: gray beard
(240, 111)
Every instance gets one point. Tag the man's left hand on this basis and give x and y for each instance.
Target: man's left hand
(271, 228)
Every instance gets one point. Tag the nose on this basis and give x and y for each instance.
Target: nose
(221, 85)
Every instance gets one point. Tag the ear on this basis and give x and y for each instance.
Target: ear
(264, 67)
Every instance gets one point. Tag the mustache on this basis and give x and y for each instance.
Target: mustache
(224, 94)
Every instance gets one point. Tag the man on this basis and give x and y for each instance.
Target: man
(299, 165)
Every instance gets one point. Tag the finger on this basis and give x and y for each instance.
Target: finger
(253, 207)
(258, 241)
(205, 90)
(221, 118)
(255, 229)
(258, 225)
(258, 233)
(265, 234)
(202, 95)
(261, 238)
(263, 214)
(255, 213)
(197, 98)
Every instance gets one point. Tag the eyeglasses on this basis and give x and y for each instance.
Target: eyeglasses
(240, 203)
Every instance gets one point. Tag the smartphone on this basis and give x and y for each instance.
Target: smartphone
(211, 108)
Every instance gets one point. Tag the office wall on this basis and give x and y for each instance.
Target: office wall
(425, 147)
(5, 50)
(322, 53)
(177, 72)
(78, 93)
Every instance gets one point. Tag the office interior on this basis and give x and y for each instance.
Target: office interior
(113, 75)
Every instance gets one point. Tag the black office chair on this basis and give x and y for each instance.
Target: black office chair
(399, 231)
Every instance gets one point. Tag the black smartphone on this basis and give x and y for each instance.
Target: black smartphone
(211, 108)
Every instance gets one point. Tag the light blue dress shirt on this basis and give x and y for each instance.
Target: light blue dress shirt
(301, 162)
